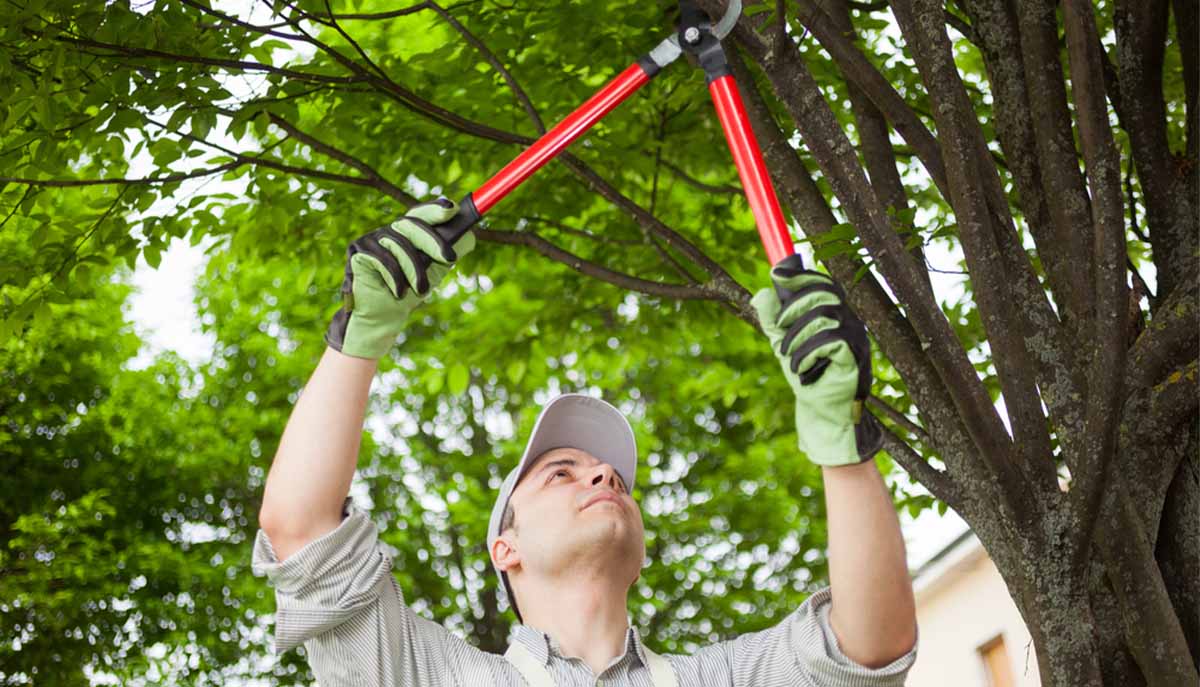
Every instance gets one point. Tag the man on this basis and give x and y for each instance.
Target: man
(565, 536)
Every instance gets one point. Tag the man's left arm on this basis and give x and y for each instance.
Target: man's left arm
(825, 353)
(872, 613)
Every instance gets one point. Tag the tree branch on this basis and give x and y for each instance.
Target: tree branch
(1168, 189)
(1111, 314)
(75, 250)
(700, 185)
(345, 158)
(242, 158)
(876, 146)
(1187, 26)
(1148, 449)
(265, 30)
(1169, 338)
(376, 16)
(936, 481)
(17, 205)
(721, 281)
(69, 183)
(1153, 631)
(899, 418)
(239, 65)
(566, 229)
(491, 58)
(1063, 184)
(1060, 373)
(982, 228)
(858, 70)
(625, 281)
(961, 26)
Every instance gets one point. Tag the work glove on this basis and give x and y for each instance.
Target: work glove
(389, 272)
(826, 357)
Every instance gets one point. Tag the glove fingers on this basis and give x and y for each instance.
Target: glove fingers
(848, 352)
(412, 261)
(375, 262)
(443, 210)
(800, 302)
(831, 344)
(792, 279)
(819, 318)
(434, 212)
(417, 226)
(425, 238)
(766, 304)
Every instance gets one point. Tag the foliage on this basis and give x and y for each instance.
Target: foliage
(278, 132)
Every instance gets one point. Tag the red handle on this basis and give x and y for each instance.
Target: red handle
(768, 216)
(561, 136)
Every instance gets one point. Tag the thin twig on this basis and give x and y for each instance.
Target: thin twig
(936, 481)
(579, 232)
(75, 251)
(65, 183)
(899, 418)
(345, 158)
(591, 269)
(491, 58)
(265, 30)
(17, 206)
(697, 184)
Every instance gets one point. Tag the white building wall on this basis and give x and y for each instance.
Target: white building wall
(962, 604)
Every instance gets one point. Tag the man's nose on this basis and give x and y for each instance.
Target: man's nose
(605, 474)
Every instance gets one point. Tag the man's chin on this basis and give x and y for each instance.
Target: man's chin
(612, 532)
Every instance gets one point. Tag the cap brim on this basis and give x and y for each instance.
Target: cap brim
(588, 424)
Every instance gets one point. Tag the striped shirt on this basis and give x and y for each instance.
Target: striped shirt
(338, 598)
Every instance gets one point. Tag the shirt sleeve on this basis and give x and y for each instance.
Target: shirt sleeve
(801, 650)
(338, 598)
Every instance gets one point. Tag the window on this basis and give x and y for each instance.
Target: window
(996, 663)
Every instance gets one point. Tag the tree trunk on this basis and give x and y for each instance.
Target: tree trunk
(1178, 549)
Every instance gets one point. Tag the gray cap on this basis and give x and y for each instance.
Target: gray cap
(569, 421)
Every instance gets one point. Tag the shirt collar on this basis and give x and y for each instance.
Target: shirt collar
(543, 646)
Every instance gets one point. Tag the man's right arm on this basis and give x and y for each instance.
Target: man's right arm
(389, 272)
(311, 474)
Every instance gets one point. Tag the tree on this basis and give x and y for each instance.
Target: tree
(997, 130)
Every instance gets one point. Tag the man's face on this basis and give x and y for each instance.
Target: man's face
(574, 514)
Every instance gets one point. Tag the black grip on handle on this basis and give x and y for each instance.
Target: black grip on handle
(453, 229)
(793, 263)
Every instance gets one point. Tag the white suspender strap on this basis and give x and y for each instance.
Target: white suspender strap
(536, 675)
(661, 674)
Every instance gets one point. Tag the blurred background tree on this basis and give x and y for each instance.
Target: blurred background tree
(900, 135)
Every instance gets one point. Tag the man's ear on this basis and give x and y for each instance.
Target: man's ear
(505, 554)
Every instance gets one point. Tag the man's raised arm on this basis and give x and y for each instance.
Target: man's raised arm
(873, 612)
(313, 468)
(311, 474)
(826, 358)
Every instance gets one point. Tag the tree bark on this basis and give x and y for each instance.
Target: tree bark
(1178, 550)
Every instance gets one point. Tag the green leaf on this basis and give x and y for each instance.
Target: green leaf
(434, 380)
(152, 255)
(457, 379)
(516, 370)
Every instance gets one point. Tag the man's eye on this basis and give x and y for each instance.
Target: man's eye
(560, 472)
